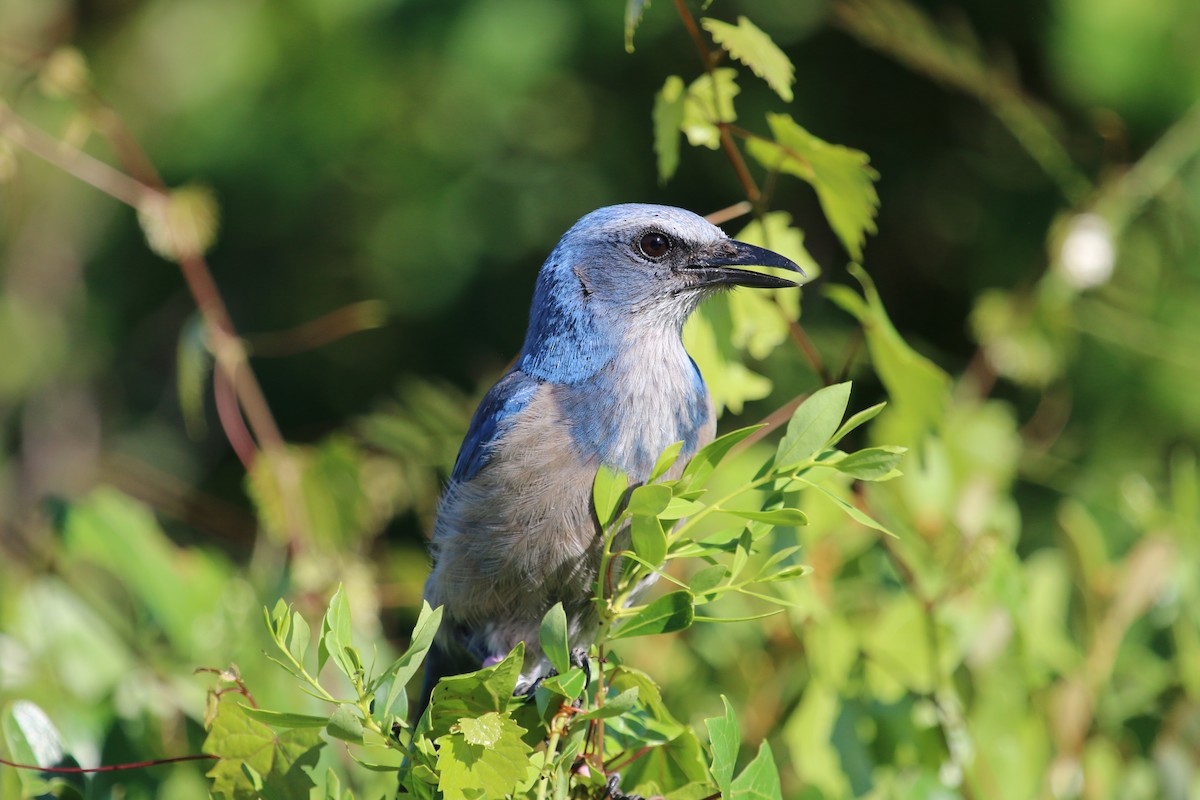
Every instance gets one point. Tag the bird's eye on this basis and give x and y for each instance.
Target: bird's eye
(654, 244)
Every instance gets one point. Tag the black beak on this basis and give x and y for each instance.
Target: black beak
(716, 267)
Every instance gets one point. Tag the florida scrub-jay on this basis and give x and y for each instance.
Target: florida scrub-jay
(603, 378)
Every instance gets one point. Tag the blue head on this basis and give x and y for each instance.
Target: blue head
(629, 270)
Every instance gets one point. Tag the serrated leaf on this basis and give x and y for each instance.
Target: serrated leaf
(473, 770)
(648, 538)
(842, 177)
(193, 364)
(180, 223)
(671, 612)
(634, 9)
(709, 101)
(812, 425)
(282, 761)
(753, 47)
(553, 638)
(607, 490)
(705, 461)
(871, 463)
(285, 719)
(725, 738)
(790, 517)
(344, 723)
(487, 689)
(667, 116)
(677, 763)
(759, 780)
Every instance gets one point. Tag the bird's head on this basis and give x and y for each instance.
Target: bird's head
(635, 268)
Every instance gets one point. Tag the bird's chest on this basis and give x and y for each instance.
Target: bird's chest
(630, 412)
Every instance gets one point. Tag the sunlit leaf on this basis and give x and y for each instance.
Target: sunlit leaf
(607, 491)
(709, 100)
(482, 757)
(842, 177)
(725, 738)
(759, 780)
(281, 761)
(285, 719)
(634, 9)
(812, 425)
(750, 45)
(789, 517)
(665, 461)
(613, 706)
(668, 112)
(344, 723)
(855, 513)
(649, 500)
(705, 461)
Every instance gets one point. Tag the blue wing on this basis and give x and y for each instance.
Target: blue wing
(505, 400)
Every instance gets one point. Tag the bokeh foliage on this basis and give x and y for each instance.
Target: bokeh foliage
(1033, 632)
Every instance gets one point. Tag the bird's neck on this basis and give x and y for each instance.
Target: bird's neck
(650, 395)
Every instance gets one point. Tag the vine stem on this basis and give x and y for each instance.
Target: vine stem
(226, 346)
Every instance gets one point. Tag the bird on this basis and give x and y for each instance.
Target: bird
(603, 379)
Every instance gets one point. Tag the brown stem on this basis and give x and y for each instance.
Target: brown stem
(800, 337)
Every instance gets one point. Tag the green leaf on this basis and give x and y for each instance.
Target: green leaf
(853, 511)
(298, 638)
(812, 425)
(649, 500)
(607, 491)
(648, 538)
(842, 177)
(671, 612)
(708, 579)
(401, 671)
(553, 638)
(754, 48)
(282, 761)
(679, 508)
(193, 364)
(31, 738)
(671, 766)
(759, 780)
(861, 418)
(482, 757)
(476, 693)
(344, 723)
(634, 9)
(871, 463)
(669, 106)
(918, 388)
(789, 517)
(613, 706)
(336, 634)
(725, 737)
(704, 462)
(569, 684)
(285, 719)
(665, 461)
(709, 100)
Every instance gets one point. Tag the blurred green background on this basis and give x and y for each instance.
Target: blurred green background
(1033, 634)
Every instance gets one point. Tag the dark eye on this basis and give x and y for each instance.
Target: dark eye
(654, 244)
